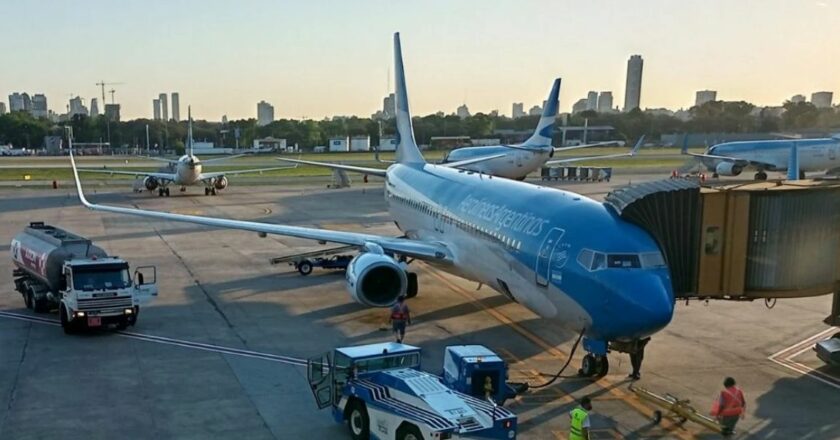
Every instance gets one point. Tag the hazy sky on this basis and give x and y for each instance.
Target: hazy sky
(316, 58)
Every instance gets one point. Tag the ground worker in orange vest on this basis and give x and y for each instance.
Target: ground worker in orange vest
(400, 318)
(729, 407)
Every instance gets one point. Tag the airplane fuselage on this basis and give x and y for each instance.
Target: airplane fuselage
(187, 171)
(814, 154)
(560, 254)
(516, 164)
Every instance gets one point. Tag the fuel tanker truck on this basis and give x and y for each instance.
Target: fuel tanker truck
(58, 270)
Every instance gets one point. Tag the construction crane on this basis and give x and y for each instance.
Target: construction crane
(112, 91)
(102, 84)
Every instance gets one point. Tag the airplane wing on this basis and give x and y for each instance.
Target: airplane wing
(205, 176)
(631, 153)
(575, 147)
(159, 159)
(159, 176)
(222, 159)
(380, 172)
(410, 248)
(465, 162)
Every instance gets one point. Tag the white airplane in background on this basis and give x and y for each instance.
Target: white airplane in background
(187, 171)
(518, 160)
(731, 158)
(562, 255)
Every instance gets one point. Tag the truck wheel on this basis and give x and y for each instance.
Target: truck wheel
(41, 306)
(409, 432)
(358, 421)
(305, 268)
(27, 298)
(66, 325)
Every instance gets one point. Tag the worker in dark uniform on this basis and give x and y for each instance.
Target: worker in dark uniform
(400, 318)
(637, 355)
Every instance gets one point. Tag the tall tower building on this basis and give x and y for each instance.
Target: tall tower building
(265, 113)
(20, 102)
(389, 106)
(463, 111)
(94, 107)
(704, 96)
(176, 107)
(633, 87)
(822, 99)
(2, 108)
(164, 108)
(156, 109)
(39, 106)
(796, 99)
(518, 110)
(605, 102)
(77, 107)
(592, 101)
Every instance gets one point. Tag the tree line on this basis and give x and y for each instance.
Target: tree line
(24, 131)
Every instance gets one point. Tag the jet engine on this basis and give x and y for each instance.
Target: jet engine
(728, 169)
(376, 280)
(150, 183)
(220, 182)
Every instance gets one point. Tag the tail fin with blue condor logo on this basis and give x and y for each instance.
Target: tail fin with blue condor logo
(545, 128)
(407, 150)
(189, 132)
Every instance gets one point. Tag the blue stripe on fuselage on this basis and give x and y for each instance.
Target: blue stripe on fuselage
(622, 303)
(740, 147)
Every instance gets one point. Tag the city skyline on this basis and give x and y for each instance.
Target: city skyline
(281, 57)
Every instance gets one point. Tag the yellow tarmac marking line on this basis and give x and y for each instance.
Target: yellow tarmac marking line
(605, 383)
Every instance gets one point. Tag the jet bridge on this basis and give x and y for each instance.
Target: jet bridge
(741, 241)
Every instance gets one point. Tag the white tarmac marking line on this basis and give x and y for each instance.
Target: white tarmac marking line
(801, 347)
(176, 342)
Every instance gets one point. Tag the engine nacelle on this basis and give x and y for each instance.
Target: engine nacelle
(376, 280)
(728, 169)
(220, 182)
(150, 183)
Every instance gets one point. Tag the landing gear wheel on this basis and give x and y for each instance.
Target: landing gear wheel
(602, 366)
(358, 421)
(206, 191)
(802, 175)
(715, 175)
(305, 268)
(596, 366)
(657, 417)
(213, 191)
(160, 192)
(409, 432)
(166, 191)
(761, 175)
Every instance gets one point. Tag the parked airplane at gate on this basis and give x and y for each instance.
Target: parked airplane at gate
(731, 158)
(564, 256)
(187, 171)
(517, 161)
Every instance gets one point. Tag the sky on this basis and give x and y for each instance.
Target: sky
(319, 58)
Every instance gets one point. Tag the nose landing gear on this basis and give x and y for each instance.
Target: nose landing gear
(595, 364)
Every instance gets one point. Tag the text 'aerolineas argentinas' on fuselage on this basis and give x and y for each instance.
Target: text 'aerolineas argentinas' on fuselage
(503, 217)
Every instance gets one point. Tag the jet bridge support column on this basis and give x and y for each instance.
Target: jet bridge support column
(834, 318)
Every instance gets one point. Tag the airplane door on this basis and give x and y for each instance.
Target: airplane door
(543, 268)
(319, 372)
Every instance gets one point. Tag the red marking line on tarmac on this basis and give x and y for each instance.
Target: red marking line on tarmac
(176, 342)
(785, 358)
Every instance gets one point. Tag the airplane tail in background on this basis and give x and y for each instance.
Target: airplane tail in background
(793, 162)
(684, 149)
(189, 132)
(407, 150)
(545, 128)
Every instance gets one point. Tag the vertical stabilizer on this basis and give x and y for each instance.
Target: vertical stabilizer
(407, 150)
(793, 163)
(189, 132)
(545, 128)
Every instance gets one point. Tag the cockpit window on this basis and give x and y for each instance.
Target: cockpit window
(594, 261)
(598, 262)
(623, 261)
(652, 260)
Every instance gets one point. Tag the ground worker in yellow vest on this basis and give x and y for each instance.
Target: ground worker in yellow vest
(579, 429)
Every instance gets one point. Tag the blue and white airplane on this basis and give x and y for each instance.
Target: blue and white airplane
(731, 158)
(562, 255)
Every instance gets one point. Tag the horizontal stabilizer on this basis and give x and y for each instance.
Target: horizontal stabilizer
(364, 170)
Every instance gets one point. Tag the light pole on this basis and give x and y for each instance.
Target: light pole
(147, 140)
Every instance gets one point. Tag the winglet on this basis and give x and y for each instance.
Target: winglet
(637, 146)
(684, 149)
(76, 174)
(793, 163)
(189, 132)
(407, 150)
(544, 131)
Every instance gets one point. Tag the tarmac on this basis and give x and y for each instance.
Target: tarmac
(220, 352)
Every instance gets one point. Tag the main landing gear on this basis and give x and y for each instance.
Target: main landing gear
(163, 192)
(761, 175)
(595, 364)
(209, 191)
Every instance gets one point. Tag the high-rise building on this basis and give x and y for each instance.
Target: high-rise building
(265, 113)
(2, 108)
(704, 96)
(535, 111)
(156, 109)
(176, 107)
(580, 105)
(796, 99)
(389, 106)
(20, 102)
(463, 111)
(77, 107)
(518, 110)
(605, 102)
(822, 99)
(112, 112)
(592, 101)
(39, 106)
(164, 108)
(633, 86)
(94, 107)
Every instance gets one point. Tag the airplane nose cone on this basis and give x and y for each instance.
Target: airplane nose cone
(640, 308)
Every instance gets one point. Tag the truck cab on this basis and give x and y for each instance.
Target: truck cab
(380, 392)
(99, 292)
